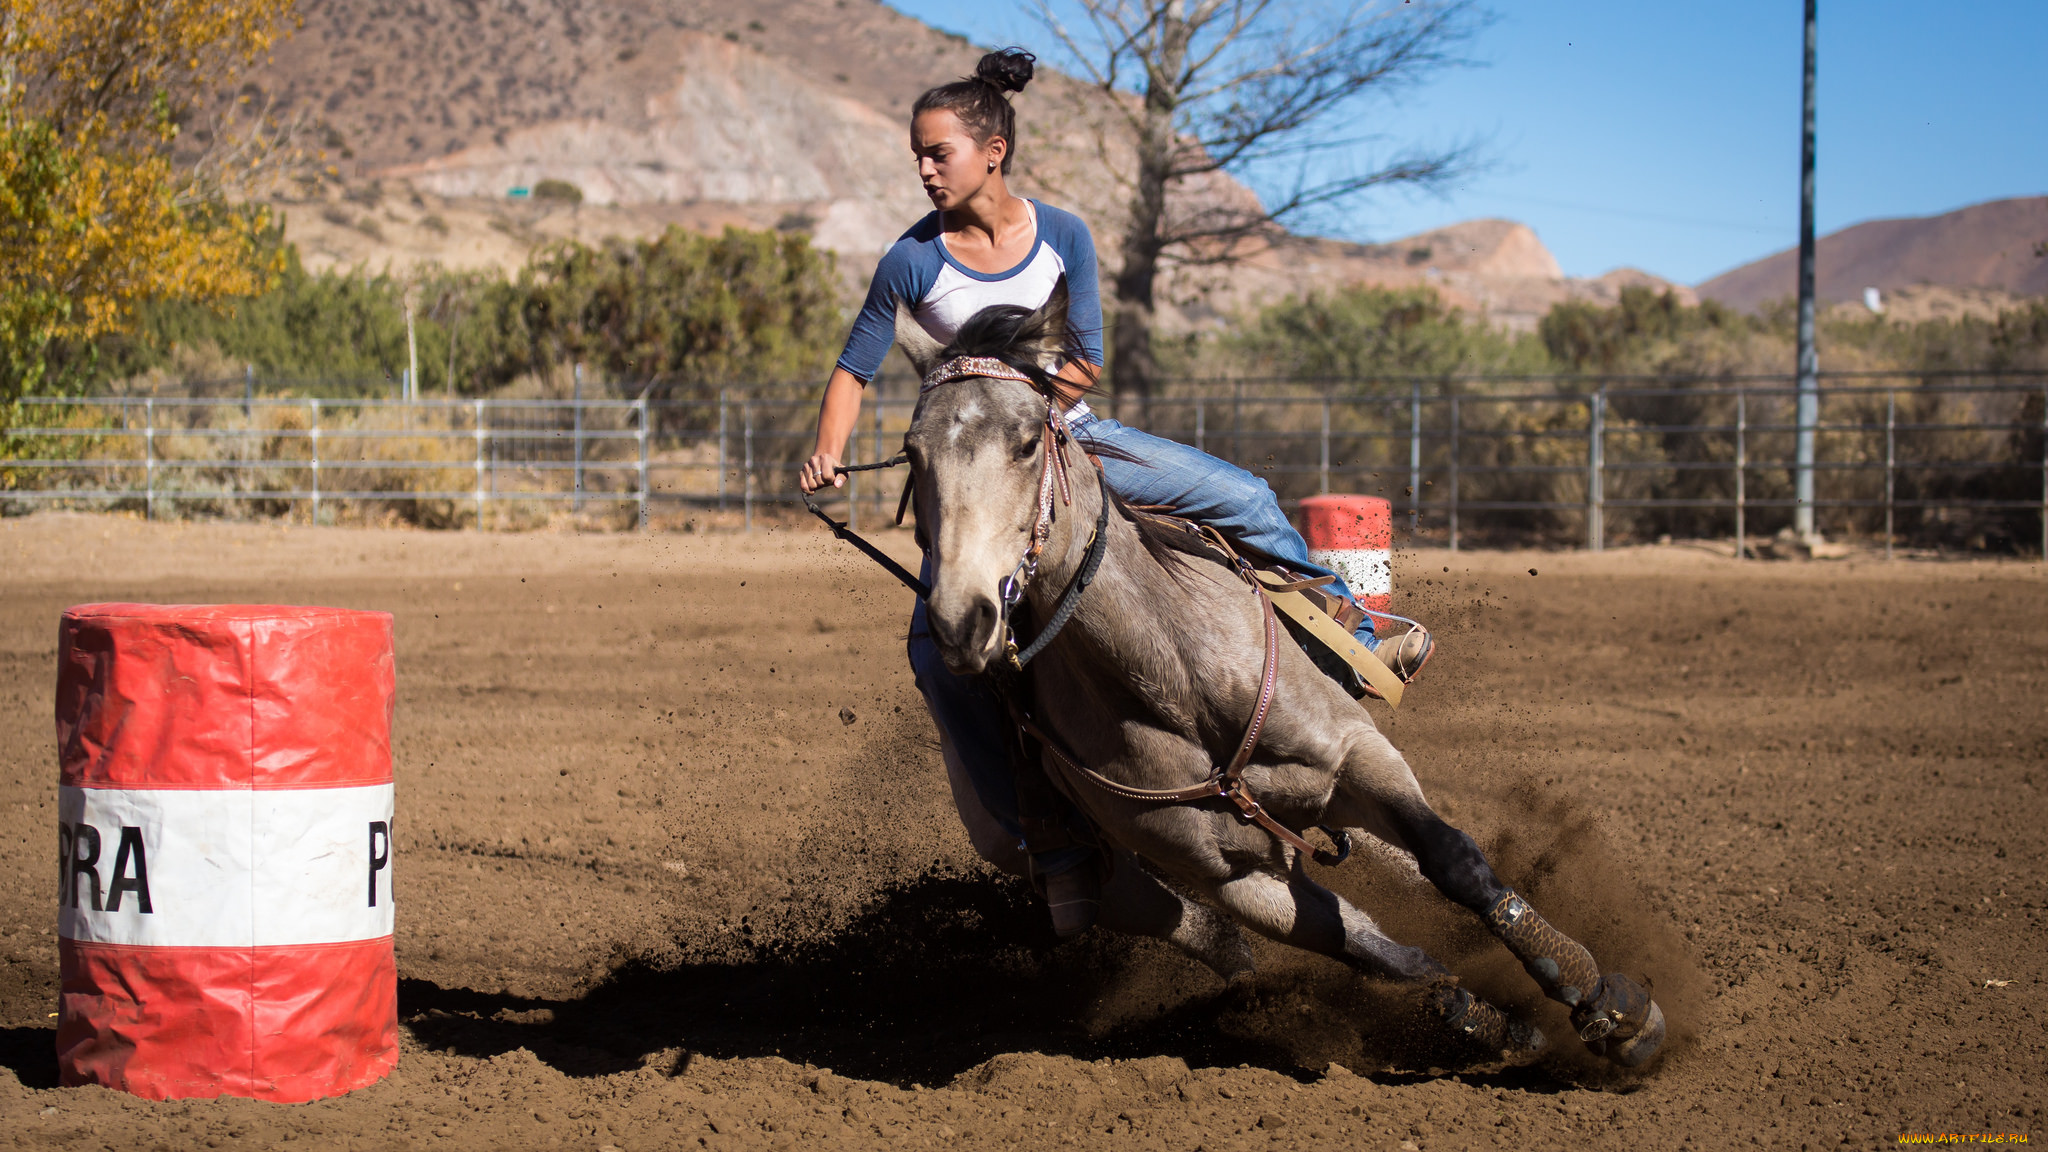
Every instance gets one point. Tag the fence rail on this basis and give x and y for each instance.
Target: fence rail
(1590, 462)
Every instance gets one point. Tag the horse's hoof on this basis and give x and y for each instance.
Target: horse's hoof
(1621, 1022)
(1638, 1050)
(1617, 1009)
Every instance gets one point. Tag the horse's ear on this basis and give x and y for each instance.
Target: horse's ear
(1048, 327)
(917, 344)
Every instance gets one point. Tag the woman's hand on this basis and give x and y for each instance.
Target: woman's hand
(820, 471)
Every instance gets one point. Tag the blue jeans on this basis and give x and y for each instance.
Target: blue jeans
(1164, 473)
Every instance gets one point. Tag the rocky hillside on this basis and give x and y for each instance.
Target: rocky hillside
(1999, 247)
(763, 113)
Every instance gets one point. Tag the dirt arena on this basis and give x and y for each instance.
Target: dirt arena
(677, 867)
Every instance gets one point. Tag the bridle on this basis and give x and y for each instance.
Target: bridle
(1225, 781)
(1052, 482)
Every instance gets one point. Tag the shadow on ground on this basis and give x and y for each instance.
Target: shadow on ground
(31, 1054)
(939, 976)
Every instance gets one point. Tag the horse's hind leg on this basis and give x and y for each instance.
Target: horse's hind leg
(1139, 903)
(1300, 912)
(1612, 1013)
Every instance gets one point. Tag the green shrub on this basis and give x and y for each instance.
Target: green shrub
(558, 190)
(676, 312)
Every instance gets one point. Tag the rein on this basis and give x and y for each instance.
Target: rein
(1224, 781)
(841, 531)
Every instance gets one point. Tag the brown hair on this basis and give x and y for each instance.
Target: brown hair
(981, 101)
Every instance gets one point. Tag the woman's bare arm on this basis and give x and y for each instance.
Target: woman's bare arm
(1076, 377)
(837, 414)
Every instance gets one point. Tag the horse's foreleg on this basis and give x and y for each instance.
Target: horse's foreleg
(1613, 1013)
(1300, 912)
(1138, 903)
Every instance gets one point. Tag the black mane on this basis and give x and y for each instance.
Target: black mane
(1018, 337)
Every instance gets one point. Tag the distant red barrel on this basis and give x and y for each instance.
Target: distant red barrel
(224, 850)
(1353, 536)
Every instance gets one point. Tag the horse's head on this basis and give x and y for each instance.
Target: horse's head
(976, 445)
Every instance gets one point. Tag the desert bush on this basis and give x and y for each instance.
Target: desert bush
(1355, 333)
(560, 191)
(681, 313)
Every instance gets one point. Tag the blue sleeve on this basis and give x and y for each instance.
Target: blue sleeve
(902, 275)
(1069, 237)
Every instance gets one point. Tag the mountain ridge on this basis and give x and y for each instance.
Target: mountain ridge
(1990, 245)
(767, 113)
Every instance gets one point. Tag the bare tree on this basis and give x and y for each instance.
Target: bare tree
(1213, 86)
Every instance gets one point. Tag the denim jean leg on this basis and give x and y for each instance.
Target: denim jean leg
(975, 721)
(1208, 491)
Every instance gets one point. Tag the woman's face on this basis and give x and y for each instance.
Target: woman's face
(951, 164)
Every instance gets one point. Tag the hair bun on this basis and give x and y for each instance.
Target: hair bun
(1006, 69)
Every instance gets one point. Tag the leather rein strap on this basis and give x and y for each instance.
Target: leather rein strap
(841, 531)
(1226, 781)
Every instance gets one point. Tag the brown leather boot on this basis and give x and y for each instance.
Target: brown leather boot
(1407, 653)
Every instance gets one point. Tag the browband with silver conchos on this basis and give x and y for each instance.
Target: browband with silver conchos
(961, 367)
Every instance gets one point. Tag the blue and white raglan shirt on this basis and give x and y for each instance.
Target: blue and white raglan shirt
(943, 293)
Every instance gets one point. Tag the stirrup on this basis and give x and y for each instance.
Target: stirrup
(1404, 655)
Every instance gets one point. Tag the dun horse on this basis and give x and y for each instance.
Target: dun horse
(1151, 686)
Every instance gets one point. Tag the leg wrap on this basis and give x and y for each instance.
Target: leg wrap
(1560, 965)
(1612, 1013)
(1483, 1024)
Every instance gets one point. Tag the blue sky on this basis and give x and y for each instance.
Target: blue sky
(1665, 135)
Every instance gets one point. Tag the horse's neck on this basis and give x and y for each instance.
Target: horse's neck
(1128, 638)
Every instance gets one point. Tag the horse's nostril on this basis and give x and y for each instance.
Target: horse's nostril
(964, 630)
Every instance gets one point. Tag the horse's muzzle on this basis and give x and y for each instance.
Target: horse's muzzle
(967, 630)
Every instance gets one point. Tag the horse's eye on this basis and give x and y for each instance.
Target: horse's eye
(1029, 448)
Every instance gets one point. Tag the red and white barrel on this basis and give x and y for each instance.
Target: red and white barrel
(1353, 536)
(224, 841)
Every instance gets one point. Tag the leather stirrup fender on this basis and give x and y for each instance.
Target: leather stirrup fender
(1327, 632)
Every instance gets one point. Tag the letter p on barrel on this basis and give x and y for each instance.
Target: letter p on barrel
(224, 850)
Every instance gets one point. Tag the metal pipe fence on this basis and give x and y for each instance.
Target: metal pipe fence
(1960, 459)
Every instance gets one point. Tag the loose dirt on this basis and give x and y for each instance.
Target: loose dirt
(677, 867)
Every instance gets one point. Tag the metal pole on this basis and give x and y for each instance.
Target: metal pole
(479, 465)
(412, 355)
(1455, 421)
(747, 425)
(1323, 470)
(1741, 467)
(1596, 480)
(578, 501)
(313, 432)
(149, 459)
(1891, 463)
(721, 449)
(1809, 357)
(881, 510)
(640, 408)
(1201, 426)
(1415, 459)
(248, 389)
(1237, 424)
(853, 484)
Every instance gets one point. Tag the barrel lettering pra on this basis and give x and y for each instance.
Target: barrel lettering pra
(78, 874)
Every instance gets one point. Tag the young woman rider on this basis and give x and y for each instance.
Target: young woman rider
(982, 246)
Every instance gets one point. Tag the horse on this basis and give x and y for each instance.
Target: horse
(1163, 668)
